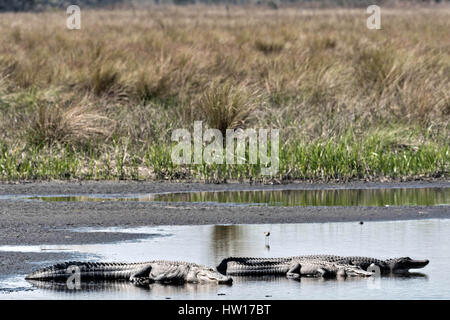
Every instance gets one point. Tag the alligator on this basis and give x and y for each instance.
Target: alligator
(295, 269)
(137, 273)
(260, 266)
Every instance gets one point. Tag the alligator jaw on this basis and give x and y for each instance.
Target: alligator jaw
(227, 280)
(417, 264)
(222, 279)
(403, 265)
(355, 272)
(218, 279)
(420, 263)
(205, 274)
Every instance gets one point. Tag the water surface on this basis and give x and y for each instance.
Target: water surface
(326, 197)
(209, 244)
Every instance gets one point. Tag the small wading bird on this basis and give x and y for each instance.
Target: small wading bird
(267, 234)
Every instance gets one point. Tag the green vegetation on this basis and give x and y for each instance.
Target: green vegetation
(350, 103)
(342, 160)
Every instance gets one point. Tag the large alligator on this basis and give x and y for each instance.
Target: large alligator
(292, 268)
(138, 273)
(260, 266)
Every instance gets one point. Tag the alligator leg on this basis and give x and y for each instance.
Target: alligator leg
(341, 273)
(322, 272)
(294, 271)
(297, 270)
(142, 276)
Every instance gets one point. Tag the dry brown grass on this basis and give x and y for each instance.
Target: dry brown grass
(226, 106)
(67, 122)
(317, 72)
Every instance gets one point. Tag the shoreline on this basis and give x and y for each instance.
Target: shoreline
(62, 187)
(35, 222)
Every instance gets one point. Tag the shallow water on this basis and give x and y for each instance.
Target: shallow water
(327, 197)
(209, 244)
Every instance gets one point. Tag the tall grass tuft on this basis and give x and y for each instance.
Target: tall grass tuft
(227, 106)
(103, 79)
(69, 122)
(268, 47)
(377, 68)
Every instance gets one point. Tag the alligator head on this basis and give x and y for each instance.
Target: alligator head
(207, 274)
(402, 265)
(351, 271)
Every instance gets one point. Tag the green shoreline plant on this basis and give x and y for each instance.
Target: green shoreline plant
(342, 160)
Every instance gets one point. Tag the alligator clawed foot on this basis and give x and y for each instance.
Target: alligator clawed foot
(294, 276)
(140, 281)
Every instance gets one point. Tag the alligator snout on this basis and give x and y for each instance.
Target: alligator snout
(402, 265)
(226, 280)
(419, 263)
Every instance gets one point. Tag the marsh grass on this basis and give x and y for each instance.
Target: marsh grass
(226, 106)
(269, 47)
(68, 122)
(342, 160)
(351, 103)
(103, 79)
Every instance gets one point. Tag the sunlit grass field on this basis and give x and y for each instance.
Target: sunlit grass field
(102, 102)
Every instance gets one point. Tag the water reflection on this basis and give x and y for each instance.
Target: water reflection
(125, 287)
(226, 239)
(327, 197)
(338, 197)
(243, 287)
